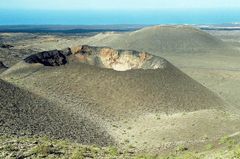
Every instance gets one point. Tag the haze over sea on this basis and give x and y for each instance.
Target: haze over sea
(105, 17)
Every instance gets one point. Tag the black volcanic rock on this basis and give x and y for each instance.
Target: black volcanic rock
(49, 58)
(6, 46)
(2, 66)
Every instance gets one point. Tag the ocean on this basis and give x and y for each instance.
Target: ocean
(107, 17)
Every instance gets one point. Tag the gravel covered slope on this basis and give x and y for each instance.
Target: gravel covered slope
(23, 113)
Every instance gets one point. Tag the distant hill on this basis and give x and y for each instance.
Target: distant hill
(162, 40)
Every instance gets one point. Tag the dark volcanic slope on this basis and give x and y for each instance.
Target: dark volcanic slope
(23, 113)
(162, 39)
(121, 94)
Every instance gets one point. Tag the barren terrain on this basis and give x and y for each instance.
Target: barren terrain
(179, 87)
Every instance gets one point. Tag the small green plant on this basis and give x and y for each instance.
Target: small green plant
(209, 146)
(146, 157)
(231, 143)
(181, 148)
(10, 148)
(188, 156)
(95, 149)
(77, 154)
(43, 150)
(113, 151)
(131, 146)
(223, 140)
(62, 144)
(115, 126)
(236, 153)
(184, 113)
(228, 141)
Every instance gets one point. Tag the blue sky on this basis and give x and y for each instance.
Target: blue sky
(116, 4)
(101, 12)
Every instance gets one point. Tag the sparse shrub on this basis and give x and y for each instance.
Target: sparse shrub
(184, 113)
(113, 151)
(209, 146)
(115, 126)
(43, 150)
(38, 148)
(62, 144)
(181, 148)
(237, 153)
(45, 138)
(228, 141)
(77, 154)
(223, 140)
(131, 146)
(146, 157)
(10, 148)
(231, 143)
(95, 149)
(188, 156)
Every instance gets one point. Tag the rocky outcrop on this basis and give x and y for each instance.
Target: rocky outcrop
(104, 57)
(120, 60)
(49, 58)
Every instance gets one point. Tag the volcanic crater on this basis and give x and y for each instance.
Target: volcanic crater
(103, 57)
